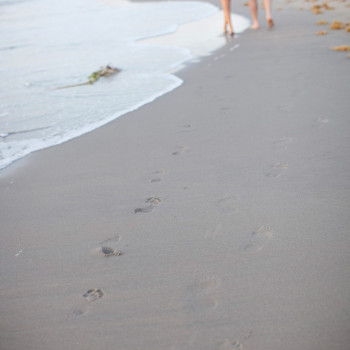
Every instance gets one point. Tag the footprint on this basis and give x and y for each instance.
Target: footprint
(19, 253)
(298, 92)
(219, 57)
(212, 234)
(144, 210)
(321, 122)
(203, 294)
(180, 150)
(283, 142)
(229, 344)
(285, 107)
(112, 240)
(225, 110)
(186, 128)
(227, 205)
(234, 47)
(218, 97)
(228, 77)
(249, 335)
(277, 169)
(109, 251)
(93, 294)
(152, 201)
(107, 248)
(258, 239)
(157, 176)
(78, 312)
(208, 283)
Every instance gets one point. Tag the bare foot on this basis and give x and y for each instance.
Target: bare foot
(255, 26)
(270, 23)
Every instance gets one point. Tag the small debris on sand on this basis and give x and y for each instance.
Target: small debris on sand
(341, 48)
(327, 7)
(336, 25)
(316, 9)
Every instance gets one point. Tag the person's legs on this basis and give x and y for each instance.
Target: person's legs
(253, 4)
(267, 4)
(227, 15)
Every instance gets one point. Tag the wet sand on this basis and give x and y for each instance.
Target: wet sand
(220, 220)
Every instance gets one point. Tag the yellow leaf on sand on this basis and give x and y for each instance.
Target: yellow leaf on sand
(341, 48)
(336, 25)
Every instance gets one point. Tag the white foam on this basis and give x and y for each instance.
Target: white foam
(202, 37)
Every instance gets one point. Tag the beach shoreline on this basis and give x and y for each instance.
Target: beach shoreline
(219, 220)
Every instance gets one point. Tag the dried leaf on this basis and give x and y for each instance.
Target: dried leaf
(341, 48)
(336, 25)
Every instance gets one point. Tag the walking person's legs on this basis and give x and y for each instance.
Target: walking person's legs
(267, 4)
(226, 6)
(253, 5)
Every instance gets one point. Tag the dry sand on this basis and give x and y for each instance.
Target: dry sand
(228, 200)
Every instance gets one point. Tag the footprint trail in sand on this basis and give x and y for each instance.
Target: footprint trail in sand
(283, 143)
(258, 239)
(227, 205)
(93, 294)
(152, 203)
(203, 294)
(157, 176)
(108, 248)
(277, 169)
(180, 150)
(229, 344)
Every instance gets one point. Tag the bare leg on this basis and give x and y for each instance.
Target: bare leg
(227, 15)
(267, 4)
(253, 4)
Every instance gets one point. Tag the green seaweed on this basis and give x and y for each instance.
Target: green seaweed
(103, 72)
(106, 71)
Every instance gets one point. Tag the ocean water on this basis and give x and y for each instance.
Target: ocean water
(46, 44)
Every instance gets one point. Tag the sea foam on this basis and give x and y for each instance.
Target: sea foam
(48, 44)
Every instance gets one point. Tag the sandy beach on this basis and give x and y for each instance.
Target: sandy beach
(219, 221)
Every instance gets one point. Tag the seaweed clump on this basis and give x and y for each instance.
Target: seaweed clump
(103, 72)
(316, 9)
(336, 25)
(106, 71)
(343, 48)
